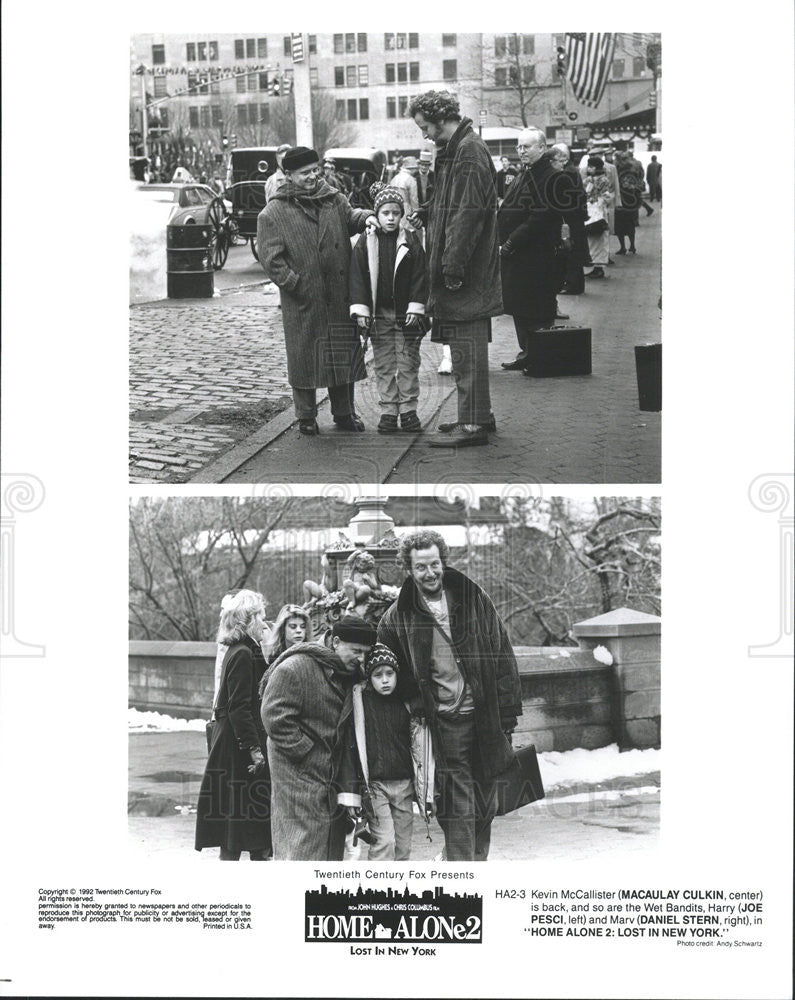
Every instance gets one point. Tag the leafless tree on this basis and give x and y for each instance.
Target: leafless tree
(513, 93)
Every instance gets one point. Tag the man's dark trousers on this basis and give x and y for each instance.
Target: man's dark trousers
(467, 801)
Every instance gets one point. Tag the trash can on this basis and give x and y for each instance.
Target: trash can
(648, 365)
(189, 264)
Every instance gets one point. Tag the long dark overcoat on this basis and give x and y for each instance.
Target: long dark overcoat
(461, 239)
(530, 219)
(303, 243)
(306, 708)
(484, 655)
(233, 808)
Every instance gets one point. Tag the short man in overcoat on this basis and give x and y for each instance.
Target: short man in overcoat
(303, 244)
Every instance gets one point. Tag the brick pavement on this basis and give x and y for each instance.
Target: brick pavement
(191, 357)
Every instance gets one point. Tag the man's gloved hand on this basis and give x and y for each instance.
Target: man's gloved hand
(258, 763)
(452, 284)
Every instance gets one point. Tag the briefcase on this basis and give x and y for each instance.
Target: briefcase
(559, 350)
(521, 783)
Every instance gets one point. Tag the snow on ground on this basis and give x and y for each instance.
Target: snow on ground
(154, 722)
(573, 767)
(148, 216)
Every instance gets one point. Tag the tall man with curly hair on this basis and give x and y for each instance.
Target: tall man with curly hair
(459, 671)
(463, 258)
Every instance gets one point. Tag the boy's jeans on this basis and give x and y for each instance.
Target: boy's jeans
(394, 819)
(397, 365)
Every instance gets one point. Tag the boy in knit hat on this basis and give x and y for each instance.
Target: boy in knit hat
(388, 289)
(393, 760)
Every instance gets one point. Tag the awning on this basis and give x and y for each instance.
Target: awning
(643, 118)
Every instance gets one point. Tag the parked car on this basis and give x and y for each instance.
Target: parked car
(194, 204)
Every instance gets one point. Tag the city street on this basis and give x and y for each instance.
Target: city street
(581, 822)
(210, 403)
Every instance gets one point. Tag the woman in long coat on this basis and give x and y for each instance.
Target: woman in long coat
(303, 243)
(233, 811)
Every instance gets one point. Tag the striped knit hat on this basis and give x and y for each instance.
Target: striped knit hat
(380, 656)
(384, 195)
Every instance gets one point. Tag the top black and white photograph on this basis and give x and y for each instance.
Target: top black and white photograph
(395, 258)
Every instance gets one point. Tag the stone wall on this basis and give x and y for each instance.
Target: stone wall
(569, 699)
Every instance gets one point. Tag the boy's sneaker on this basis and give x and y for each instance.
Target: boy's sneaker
(410, 422)
(387, 424)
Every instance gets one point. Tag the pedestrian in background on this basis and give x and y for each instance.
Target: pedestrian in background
(303, 244)
(654, 179)
(560, 157)
(463, 259)
(405, 181)
(599, 191)
(292, 625)
(277, 178)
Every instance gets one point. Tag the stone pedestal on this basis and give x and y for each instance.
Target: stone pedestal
(633, 639)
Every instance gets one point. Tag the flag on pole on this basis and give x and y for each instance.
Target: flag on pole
(588, 61)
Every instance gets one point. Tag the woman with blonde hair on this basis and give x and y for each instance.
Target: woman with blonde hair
(233, 811)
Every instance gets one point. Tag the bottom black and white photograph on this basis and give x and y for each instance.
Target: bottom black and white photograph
(373, 678)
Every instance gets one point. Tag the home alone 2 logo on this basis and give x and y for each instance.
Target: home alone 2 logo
(391, 916)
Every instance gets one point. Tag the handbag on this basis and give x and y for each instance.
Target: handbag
(521, 783)
(596, 227)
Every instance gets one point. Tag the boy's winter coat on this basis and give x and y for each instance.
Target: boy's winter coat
(411, 280)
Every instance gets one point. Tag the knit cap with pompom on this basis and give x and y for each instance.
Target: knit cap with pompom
(382, 194)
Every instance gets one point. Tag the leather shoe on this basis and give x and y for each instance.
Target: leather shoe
(514, 366)
(460, 438)
(308, 427)
(350, 422)
(560, 315)
(490, 426)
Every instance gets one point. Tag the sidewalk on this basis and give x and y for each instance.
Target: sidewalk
(210, 401)
(582, 822)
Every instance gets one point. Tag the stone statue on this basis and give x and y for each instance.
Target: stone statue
(360, 581)
(327, 584)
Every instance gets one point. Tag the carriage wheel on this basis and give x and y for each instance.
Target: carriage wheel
(253, 245)
(218, 219)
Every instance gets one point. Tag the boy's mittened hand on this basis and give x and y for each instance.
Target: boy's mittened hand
(363, 322)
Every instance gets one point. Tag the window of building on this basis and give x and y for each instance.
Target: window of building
(351, 76)
(618, 69)
(190, 52)
(262, 48)
(391, 107)
(265, 114)
(400, 40)
(215, 88)
(449, 69)
(193, 116)
(364, 108)
(352, 110)
(339, 76)
(339, 44)
(500, 48)
(638, 66)
(350, 41)
(240, 84)
(403, 103)
(339, 110)
(158, 55)
(288, 45)
(161, 86)
(240, 48)
(313, 76)
(501, 76)
(164, 117)
(529, 74)
(448, 41)
(263, 81)
(213, 50)
(364, 75)
(242, 114)
(390, 72)
(361, 41)
(389, 41)
(414, 40)
(204, 114)
(528, 44)
(251, 48)
(402, 72)
(506, 44)
(253, 81)
(312, 44)
(215, 113)
(414, 72)
(253, 114)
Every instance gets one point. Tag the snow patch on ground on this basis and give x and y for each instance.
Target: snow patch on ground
(593, 766)
(148, 216)
(154, 722)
